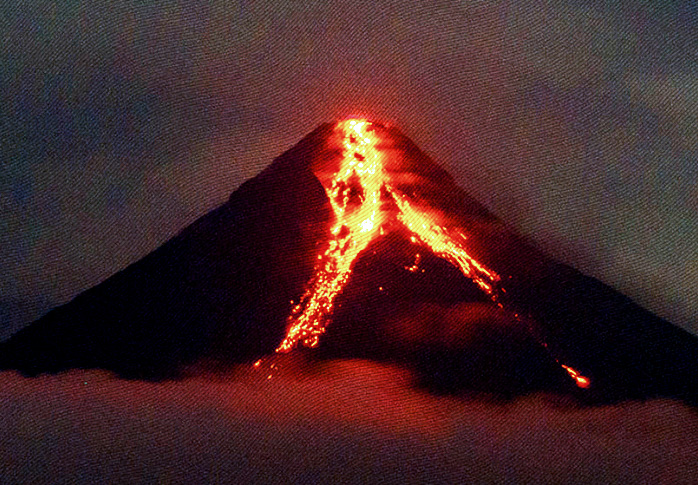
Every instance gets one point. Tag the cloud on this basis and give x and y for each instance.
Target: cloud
(349, 421)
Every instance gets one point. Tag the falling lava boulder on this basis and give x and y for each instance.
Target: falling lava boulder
(221, 290)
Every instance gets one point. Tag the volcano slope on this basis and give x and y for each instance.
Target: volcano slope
(355, 244)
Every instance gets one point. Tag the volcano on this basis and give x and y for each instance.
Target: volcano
(355, 244)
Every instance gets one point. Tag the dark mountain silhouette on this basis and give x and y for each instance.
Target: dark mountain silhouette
(211, 289)
(220, 292)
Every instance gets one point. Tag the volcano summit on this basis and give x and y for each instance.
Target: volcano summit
(355, 244)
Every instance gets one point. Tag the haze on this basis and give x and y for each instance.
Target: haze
(347, 422)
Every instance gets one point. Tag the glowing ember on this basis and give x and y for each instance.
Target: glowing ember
(415, 267)
(579, 379)
(355, 194)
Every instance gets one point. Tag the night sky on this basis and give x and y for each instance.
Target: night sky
(122, 122)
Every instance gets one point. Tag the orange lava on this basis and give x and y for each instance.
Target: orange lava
(355, 197)
(579, 379)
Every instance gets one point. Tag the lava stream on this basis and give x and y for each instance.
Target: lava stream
(355, 198)
(354, 195)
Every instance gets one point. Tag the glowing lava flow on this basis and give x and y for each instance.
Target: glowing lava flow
(443, 245)
(579, 379)
(355, 197)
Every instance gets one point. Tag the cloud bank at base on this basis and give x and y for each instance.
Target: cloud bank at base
(348, 421)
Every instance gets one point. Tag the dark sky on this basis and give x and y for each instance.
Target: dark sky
(121, 122)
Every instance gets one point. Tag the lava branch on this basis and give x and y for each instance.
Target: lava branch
(444, 245)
